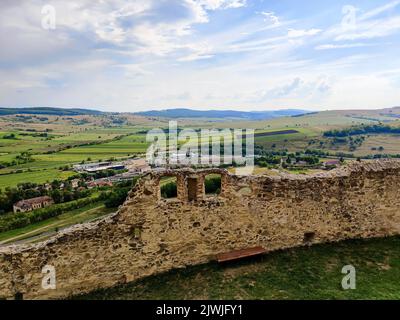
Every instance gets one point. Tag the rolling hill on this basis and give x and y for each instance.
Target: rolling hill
(48, 111)
(221, 114)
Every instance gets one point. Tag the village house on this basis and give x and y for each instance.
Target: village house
(331, 164)
(75, 183)
(137, 165)
(33, 204)
(99, 183)
(142, 168)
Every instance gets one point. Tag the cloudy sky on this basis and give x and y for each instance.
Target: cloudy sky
(131, 55)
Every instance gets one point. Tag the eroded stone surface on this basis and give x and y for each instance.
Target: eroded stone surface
(149, 235)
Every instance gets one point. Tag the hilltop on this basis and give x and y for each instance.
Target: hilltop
(221, 114)
(49, 111)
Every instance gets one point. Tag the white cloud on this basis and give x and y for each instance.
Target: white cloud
(372, 29)
(362, 91)
(271, 17)
(343, 46)
(139, 54)
(293, 33)
(377, 11)
(224, 4)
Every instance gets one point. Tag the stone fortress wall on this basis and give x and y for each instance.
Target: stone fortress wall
(149, 235)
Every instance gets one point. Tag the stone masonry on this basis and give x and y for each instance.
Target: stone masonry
(150, 235)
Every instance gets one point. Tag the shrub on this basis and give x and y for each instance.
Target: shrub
(213, 185)
(116, 198)
(169, 190)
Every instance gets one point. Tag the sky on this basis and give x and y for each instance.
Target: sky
(128, 56)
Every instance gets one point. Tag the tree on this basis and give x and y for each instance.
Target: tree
(116, 198)
(213, 185)
(55, 184)
(169, 190)
(56, 195)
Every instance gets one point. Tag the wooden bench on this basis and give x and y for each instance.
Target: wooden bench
(240, 254)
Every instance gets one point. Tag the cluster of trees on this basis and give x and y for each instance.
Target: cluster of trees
(12, 195)
(365, 129)
(117, 195)
(382, 156)
(67, 194)
(66, 200)
(24, 157)
(311, 157)
(297, 157)
(267, 160)
(13, 221)
(30, 190)
(354, 143)
(316, 152)
(38, 135)
(260, 151)
(10, 136)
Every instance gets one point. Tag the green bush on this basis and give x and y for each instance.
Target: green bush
(213, 185)
(169, 190)
(116, 198)
(119, 193)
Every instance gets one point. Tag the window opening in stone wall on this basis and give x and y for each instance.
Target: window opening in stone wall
(168, 187)
(212, 184)
(192, 189)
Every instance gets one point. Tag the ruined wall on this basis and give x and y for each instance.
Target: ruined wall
(149, 235)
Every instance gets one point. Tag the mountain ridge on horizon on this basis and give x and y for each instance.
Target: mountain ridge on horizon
(217, 114)
(166, 113)
(175, 113)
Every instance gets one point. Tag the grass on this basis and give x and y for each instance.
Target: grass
(166, 180)
(42, 176)
(45, 167)
(80, 215)
(38, 146)
(391, 144)
(300, 273)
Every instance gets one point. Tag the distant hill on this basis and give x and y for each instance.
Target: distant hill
(48, 111)
(222, 114)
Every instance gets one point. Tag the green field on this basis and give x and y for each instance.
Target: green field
(64, 145)
(300, 273)
(45, 167)
(42, 176)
